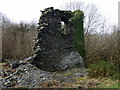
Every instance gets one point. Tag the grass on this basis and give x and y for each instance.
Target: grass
(115, 85)
(103, 69)
(88, 82)
(109, 83)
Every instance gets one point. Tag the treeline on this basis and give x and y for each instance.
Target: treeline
(17, 39)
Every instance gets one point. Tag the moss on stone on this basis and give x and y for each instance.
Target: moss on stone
(77, 21)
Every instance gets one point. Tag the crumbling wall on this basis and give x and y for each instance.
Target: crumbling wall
(54, 48)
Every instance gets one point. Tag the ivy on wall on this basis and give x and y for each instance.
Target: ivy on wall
(77, 21)
(76, 18)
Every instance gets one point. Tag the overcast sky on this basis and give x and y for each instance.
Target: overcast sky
(27, 10)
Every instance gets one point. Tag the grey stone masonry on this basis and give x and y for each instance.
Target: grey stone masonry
(53, 48)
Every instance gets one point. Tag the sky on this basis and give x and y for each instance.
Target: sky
(28, 10)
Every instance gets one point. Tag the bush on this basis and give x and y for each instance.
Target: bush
(103, 69)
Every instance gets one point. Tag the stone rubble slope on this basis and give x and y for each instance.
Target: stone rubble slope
(28, 76)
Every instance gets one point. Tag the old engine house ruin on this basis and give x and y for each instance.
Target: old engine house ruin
(55, 45)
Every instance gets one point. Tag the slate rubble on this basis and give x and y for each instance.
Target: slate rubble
(28, 76)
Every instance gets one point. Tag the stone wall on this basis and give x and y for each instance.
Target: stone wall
(54, 49)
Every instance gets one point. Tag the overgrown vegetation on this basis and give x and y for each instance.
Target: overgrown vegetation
(77, 20)
(103, 69)
(102, 55)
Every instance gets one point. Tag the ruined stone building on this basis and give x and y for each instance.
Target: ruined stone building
(54, 48)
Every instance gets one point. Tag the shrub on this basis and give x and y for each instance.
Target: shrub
(103, 69)
(102, 47)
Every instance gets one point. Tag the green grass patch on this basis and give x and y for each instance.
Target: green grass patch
(109, 83)
(103, 69)
(114, 85)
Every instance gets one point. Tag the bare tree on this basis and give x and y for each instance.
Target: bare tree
(93, 20)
